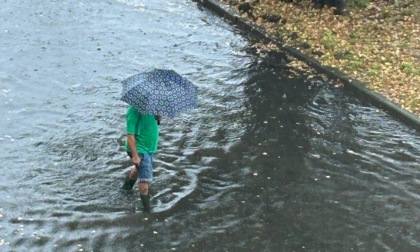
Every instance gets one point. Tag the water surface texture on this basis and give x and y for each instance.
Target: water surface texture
(270, 161)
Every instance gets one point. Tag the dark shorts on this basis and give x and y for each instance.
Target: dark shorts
(145, 170)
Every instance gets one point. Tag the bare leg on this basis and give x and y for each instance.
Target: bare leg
(133, 174)
(144, 188)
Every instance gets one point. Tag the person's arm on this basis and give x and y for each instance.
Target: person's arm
(132, 145)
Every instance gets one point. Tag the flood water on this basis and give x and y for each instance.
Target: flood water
(270, 161)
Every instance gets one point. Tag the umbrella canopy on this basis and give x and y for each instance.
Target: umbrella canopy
(159, 92)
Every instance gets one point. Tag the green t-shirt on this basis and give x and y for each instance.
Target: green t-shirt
(145, 129)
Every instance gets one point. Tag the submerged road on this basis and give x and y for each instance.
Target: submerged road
(273, 159)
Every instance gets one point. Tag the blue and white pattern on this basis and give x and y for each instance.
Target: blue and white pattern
(159, 92)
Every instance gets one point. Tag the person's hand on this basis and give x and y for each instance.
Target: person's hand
(136, 160)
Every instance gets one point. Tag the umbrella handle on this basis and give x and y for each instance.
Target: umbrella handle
(158, 118)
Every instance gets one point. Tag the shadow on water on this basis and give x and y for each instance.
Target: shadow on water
(251, 183)
(310, 172)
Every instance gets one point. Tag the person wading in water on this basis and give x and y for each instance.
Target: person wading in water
(141, 145)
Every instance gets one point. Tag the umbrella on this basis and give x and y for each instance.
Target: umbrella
(159, 92)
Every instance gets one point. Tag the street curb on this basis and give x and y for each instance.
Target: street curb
(351, 84)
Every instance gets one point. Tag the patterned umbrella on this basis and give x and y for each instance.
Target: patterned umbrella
(159, 92)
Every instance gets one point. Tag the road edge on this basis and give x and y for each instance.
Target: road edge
(356, 86)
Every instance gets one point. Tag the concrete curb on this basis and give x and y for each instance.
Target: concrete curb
(353, 85)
